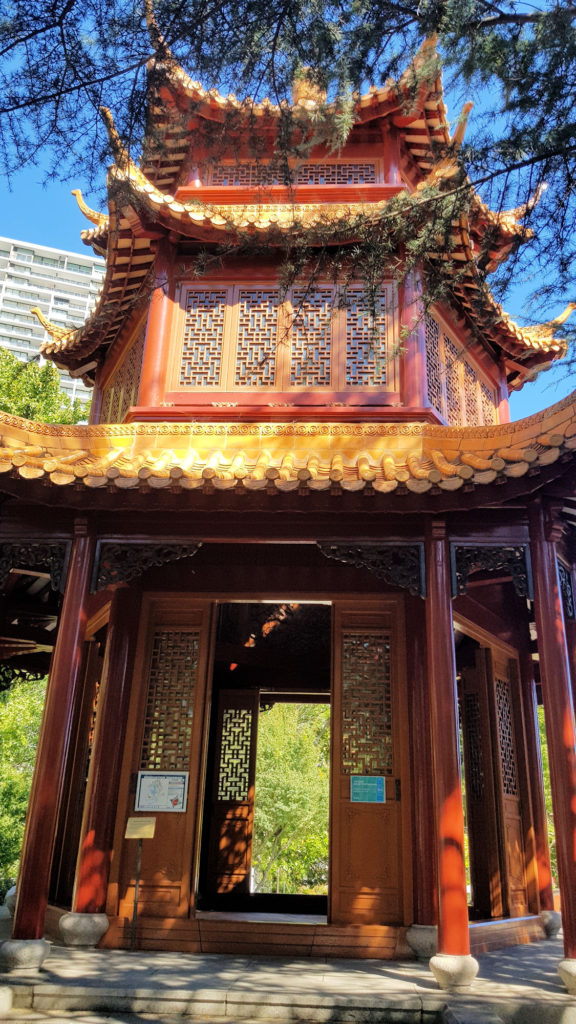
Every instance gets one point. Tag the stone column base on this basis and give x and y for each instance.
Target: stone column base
(10, 900)
(6, 1000)
(83, 929)
(552, 922)
(454, 973)
(567, 971)
(423, 940)
(23, 954)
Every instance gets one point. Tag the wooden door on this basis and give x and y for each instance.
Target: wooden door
(166, 734)
(231, 817)
(508, 749)
(481, 807)
(366, 841)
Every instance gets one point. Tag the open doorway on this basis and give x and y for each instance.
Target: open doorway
(265, 830)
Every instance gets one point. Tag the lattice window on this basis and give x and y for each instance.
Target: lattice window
(475, 773)
(234, 768)
(365, 341)
(506, 738)
(121, 391)
(433, 365)
(311, 337)
(326, 173)
(336, 174)
(488, 403)
(455, 388)
(203, 338)
(170, 701)
(366, 704)
(471, 394)
(454, 414)
(238, 336)
(257, 332)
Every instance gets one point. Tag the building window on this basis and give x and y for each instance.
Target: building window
(251, 174)
(456, 388)
(238, 336)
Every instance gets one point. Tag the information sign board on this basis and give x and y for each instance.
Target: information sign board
(367, 789)
(161, 791)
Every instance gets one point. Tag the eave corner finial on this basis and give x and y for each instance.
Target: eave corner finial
(543, 335)
(159, 44)
(460, 130)
(99, 219)
(117, 146)
(54, 330)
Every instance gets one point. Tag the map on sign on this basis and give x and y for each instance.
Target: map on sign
(161, 791)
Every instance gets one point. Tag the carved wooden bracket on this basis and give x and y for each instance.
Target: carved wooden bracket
(120, 563)
(567, 591)
(33, 555)
(513, 560)
(399, 565)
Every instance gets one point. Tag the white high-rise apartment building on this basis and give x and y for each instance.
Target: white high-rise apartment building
(63, 285)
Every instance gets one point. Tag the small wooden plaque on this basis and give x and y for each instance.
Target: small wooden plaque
(140, 828)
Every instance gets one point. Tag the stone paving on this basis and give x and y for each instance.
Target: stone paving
(518, 985)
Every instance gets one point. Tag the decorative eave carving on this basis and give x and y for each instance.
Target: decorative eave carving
(508, 560)
(567, 591)
(398, 565)
(122, 562)
(33, 555)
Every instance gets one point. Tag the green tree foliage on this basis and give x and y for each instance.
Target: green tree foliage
(20, 716)
(62, 60)
(548, 796)
(34, 392)
(292, 799)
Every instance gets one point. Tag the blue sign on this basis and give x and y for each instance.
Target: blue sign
(367, 789)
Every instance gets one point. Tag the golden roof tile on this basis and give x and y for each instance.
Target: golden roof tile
(411, 457)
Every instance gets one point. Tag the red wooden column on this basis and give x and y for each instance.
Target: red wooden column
(453, 935)
(558, 711)
(423, 831)
(158, 330)
(64, 691)
(96, 850)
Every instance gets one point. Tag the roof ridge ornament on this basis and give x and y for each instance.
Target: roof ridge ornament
(511, 218)
(159, 44)
(101, 220)
(59, 334)
(120, 153)
(546, 331)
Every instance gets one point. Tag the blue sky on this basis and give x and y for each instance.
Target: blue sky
(49, 215)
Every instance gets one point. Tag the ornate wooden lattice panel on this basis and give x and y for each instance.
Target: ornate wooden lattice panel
(202, 349)
(453, 391)
(366, 704)
(506, 738)
(234, 767)
(470, 394)
(455, 388)
(170, 701)
(365, 341)
(121, 390)
(488, 404)
(257, 331)
(433, 365)
(237, 337)
(473, 737)
(326, 173)
(312, 314)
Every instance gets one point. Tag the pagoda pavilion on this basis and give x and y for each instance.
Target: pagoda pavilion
(291, 494)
